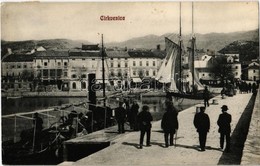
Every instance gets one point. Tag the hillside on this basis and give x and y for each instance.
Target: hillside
(212, 41)
(47, 44)
(247, 50)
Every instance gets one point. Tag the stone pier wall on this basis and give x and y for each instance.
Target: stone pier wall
(251, 152)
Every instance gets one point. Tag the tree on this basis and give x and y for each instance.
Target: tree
(222, 70)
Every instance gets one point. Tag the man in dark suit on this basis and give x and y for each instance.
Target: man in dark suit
(202, 123)
(144, 119)
(224, 121)
(120, 115)
(169, 124)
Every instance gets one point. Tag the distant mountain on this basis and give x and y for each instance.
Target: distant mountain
(50, 44)
(212, 41)
(247, 50)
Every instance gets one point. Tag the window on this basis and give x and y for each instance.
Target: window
(203, 74)
(210, 75)
(236, 73)
(153, 63)
(83, 76)
(119, 74)
(18, 66)
(65, 74)
(134, 73)
(118, 65)
(112, 74)
(13, 66)
(65, 64)
(126, 65)
(111, 58)
(112, 64)
(126, 74)
(154, 73)
(125, 58)
(147, 73)
(74, 85)
(140, 63)
(74, 76)
(83, 85)
(253, 71)
(45, 63)
(73, 59)
(93, 59)
(147, 63)
(24, 66)
(59, 63)
(83, 59)
(236, 67)
(134, 63)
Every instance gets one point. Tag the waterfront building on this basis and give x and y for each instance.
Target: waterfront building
(203, 64)
(17, 72)
(51, 69)
(145, 63)
(235, 65)
(253, 71)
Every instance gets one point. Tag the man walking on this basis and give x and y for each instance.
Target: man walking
(120, 115)
(202, 123)
(144, 120)
(223, 122)
(206, 96)
(133, 116)
(169, 124)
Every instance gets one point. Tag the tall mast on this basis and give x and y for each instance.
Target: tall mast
(103, 80)
(180, 52)
(193, 39)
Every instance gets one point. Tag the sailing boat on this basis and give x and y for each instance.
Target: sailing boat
(176, 84)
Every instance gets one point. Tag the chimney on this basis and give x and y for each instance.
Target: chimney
(158, 47)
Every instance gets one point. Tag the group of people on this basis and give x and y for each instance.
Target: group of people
(124, 113)
(202, 124)
(170, 125)
(247, 87)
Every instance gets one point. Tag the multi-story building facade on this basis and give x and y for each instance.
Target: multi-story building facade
(68, 69)
(235, 65)
(253, 71)
(145, 63)
(17, 72)
(51, 68)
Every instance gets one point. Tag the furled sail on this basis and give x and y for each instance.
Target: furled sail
(196, 78)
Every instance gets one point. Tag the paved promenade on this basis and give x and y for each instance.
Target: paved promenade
(124, 150)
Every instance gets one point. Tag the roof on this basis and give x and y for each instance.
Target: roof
(253, 67)
(147, 54)
(84, 54)
(117, 54)
(19, 58)
(90, 47)
(51, 53)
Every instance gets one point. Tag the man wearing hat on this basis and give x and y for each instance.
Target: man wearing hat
(202, 123)
(224, 121)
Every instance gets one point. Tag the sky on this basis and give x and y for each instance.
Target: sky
(81, 20)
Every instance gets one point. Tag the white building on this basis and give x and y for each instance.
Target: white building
(203, 66)
(253, 71)
(17, 72)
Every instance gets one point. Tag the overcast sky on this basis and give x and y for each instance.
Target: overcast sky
(26, 21)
